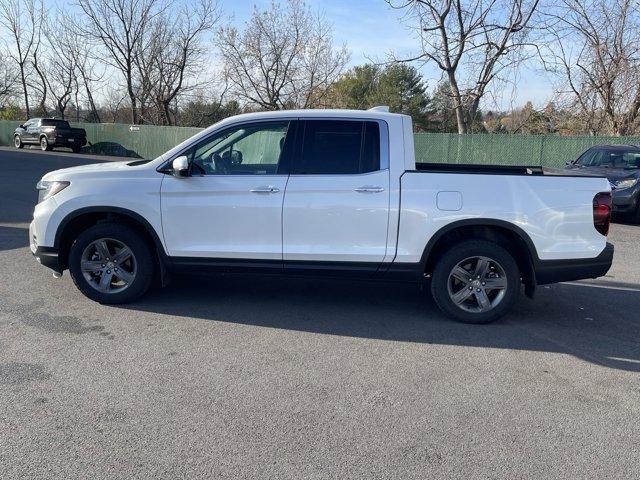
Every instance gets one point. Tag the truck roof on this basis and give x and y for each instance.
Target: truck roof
(376, 113)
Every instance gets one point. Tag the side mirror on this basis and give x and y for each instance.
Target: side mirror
(180, 166)
(20, 126)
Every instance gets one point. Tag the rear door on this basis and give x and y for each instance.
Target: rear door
(336, 206)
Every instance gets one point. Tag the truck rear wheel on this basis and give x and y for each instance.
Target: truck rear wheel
(475, 281)
(111, 263)
(44, 144)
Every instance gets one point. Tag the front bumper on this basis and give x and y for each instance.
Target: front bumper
(553, 271)
(48, 256)
(625, 201)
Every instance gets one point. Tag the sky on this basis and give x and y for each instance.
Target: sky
(371, 29)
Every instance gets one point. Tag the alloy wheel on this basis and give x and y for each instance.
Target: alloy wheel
(108, 265)
(477, 284)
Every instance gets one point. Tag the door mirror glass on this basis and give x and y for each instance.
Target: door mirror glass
(180, 167)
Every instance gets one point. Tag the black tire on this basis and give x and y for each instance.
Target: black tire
(76, 149)
(440, 281)
(143, 254)
(17, 141)
(44, 144)
(636, 216)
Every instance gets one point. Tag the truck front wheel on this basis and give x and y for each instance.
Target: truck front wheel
(111, 263)
(475, 281)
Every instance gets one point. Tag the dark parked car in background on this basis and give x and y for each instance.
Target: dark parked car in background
(49, 133)
(621, 165)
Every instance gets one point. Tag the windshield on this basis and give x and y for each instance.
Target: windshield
(55, 123)
(618, 158)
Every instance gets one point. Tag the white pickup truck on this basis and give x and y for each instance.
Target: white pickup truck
(322, 192)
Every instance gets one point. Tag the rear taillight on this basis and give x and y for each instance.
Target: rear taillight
(602, 212)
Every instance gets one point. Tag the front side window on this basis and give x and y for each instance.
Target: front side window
(250, 149)
(339, 147)
(587, 158)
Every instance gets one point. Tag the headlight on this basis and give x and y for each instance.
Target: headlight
(49, 189)
(622, 184)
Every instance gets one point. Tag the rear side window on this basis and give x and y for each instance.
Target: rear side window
(339, 147)
(55, 123)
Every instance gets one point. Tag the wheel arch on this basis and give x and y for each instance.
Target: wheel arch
(83, 218)
(501, 232)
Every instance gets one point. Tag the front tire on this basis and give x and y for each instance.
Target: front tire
(475, 281)
(44, 144)
(111, 263)
(17, 141)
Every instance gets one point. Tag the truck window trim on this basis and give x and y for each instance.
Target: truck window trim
(383, 126)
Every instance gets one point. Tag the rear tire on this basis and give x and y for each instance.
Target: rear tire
(17, 141)
(76, 149)
(109, 275)
(44, 144)
(475, 281)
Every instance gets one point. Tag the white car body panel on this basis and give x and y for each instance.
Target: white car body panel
(218, 216)
(132, 188)
(326, 219)
(555, 212)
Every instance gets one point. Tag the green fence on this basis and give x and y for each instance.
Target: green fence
(546, 150)
(144, 141)
(149, 141)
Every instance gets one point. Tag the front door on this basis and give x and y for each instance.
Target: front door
(231, 205)
(336, 207)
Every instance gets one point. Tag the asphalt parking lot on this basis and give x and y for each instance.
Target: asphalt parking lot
(236, 377)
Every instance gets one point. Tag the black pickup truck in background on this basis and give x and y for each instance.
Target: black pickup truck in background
(49, 133)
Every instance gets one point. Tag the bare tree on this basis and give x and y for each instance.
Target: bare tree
(284, 58)
(73, 74)
(21, 19)
(9, 80)
(120, 27)
(594, 49)
(39, 84)
(472, 42)
(61, 72)
(173, 55)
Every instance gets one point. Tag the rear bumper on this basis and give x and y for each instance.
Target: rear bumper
(553, 271)
(68, 141)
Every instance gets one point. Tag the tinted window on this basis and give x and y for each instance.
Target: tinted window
(55, 123)
(250, 149)
(618, 158)
(339, 147)
(587, 157)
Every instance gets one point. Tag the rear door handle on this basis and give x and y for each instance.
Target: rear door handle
(369, 189)
(265, 189)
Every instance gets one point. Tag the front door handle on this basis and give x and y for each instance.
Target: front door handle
(265, 189)
(369, 189)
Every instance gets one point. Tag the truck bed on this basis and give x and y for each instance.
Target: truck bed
(499, 169)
